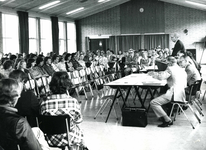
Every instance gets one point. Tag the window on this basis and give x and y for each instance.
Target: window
(46, 36)
(71, 37)
(33, 40)
(62, 38)
(10, 34)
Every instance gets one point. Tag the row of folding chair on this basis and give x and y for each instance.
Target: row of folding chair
(91, 78)
(39, 85)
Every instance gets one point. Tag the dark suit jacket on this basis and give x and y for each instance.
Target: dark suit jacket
(178, 46)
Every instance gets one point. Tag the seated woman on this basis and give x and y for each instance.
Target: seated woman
(60, 103)
(14, 129)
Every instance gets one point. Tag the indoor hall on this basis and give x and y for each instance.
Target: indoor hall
(70, 26)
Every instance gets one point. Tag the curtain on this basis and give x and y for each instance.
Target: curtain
(112, 43)
(87, 43)
(23, 32)
(55, 34)
(129, 41)
(153, 41)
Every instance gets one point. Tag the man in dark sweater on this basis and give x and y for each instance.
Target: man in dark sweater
(178, 44)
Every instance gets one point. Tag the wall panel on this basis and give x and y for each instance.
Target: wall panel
(151, 20)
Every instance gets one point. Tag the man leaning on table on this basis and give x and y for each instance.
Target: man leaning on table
(177, 80)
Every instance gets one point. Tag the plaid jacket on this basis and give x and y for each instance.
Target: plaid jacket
(62, 104)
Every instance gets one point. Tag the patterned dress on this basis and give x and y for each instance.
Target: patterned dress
(63, 104)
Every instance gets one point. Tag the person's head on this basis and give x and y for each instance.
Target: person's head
(13, 57)
(181, 53)
(55, 59)
(39, 61)
(131, 52)
(19, 76)
(81, 57)
(10, 92)
(47, 60)
(145, 54)
(120, 52)
(21, 64)
(160, 53)
(7, 65)
(102, 53)
(175, 37)
(183, 61)
(60, 83)
(68, 57)
(171, 61)
(136, 53)
(30, 63)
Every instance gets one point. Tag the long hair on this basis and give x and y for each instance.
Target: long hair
(60, 83)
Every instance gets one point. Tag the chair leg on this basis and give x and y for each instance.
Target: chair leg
(106, 101)
(203, 98)
(198, 119)
(186, 116)
(90, 88)
(198, 108)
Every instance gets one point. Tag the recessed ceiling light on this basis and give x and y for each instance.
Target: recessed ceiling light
(103, 1)
(195, 3)
(76, 10)
(2, 0)
(49, 4)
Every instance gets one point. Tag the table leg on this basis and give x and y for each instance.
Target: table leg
(115, 96)
(125, 100)
(139, 96)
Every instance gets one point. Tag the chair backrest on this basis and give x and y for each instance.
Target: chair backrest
(193, 89)
(54, 124)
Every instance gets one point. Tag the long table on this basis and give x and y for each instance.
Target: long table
(133, 81)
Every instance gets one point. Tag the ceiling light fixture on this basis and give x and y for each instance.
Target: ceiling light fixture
(2, 0)
(49, 4)
(195, 3)
(103, 1)
(75, 11)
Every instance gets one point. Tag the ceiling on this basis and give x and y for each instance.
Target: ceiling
(64, 6)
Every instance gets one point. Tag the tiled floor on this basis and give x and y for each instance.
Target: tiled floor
(113, 136)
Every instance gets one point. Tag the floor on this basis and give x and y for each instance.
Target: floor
(113, 136)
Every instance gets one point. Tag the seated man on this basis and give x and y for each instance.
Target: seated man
(176, 79)
(130, 62)
(192, 72)
(14, 129)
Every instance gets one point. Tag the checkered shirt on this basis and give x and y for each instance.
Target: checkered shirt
(62, 104)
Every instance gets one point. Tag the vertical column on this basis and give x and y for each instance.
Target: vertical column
(1, 33)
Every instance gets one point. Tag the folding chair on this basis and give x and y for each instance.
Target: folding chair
(84, 81)
(55, 125)
(180, 105)
(32, 85)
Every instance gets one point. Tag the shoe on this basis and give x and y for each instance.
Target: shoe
(161, 119)
(85, 148)
(166, 124)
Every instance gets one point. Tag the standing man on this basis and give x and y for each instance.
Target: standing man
(177, 81)
(178, 44)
